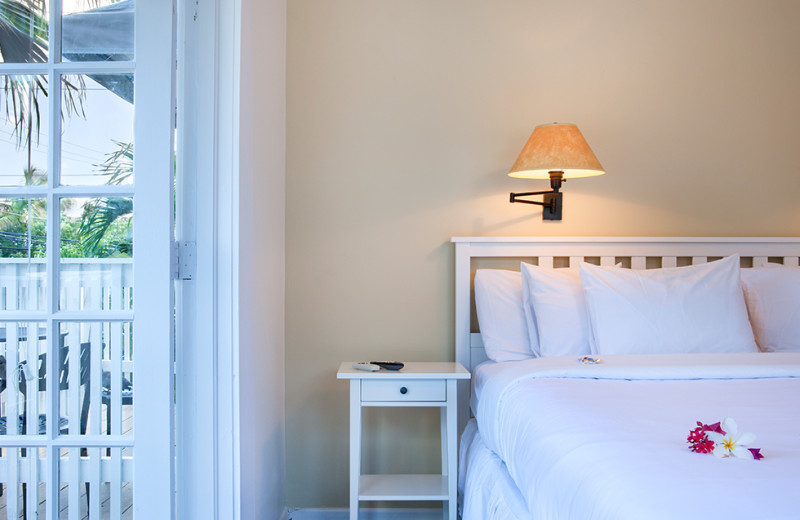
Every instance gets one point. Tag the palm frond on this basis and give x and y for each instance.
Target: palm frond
(98, 218)
(118, 164)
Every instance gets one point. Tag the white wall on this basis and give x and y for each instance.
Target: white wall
(261, 254)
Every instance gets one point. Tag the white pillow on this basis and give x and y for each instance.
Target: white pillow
(697, 308)
(498, 301)
(772, 294)
(555, 307)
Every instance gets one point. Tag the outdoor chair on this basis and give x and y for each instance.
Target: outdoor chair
(63, 384)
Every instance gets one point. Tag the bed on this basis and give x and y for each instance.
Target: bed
(682, 330)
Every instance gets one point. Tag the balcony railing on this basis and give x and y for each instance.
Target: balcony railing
(100, 404)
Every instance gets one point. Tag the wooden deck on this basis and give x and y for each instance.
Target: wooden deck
(63, 495)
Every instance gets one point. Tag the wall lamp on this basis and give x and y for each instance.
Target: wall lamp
(557, 152)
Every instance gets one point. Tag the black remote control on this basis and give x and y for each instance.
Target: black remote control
(389, 365)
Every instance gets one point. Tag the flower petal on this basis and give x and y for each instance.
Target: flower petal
(713, 428)
(730, 426)
(714, 436)
(741, 452)
(746, 438)
(756, 453)
(720, 451)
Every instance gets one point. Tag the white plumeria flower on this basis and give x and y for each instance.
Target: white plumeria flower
(732, 443)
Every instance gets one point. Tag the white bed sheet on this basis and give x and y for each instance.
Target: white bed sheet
(608, 441)
(485, 489)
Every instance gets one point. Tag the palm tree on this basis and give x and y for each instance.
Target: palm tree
(22, 222)
(24, 39)
(103, 217)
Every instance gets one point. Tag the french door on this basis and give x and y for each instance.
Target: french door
(86, 232)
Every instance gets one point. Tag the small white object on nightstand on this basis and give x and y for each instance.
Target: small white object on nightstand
(367, 367)
(417, 385)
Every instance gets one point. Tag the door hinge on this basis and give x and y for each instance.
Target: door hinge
(184, 260)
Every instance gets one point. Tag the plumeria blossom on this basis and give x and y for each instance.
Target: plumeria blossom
(732, 443)
(723, 440)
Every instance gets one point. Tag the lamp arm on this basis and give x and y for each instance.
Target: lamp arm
(529, 193)
(551, 202)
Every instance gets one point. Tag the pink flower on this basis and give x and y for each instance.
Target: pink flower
(699, 440)
(756, 453)
(716, 428)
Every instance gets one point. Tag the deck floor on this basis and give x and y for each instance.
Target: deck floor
(63, 494)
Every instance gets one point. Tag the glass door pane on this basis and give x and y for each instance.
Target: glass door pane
(23, 130)
(24, 33)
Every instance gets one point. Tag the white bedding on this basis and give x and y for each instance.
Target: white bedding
(486, 491)
(608, 441)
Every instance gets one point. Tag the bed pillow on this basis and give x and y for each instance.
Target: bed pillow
(498, 302)
(697, 308)
(772, 294)
(555, 307)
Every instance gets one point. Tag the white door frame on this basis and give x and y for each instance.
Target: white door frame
(207, 306)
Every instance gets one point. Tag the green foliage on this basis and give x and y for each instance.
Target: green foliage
(103, 229)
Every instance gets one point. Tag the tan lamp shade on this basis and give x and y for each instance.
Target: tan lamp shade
(556, 147)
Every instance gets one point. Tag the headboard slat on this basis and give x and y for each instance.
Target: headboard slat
(607, 261)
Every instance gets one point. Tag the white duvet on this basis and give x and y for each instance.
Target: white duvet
(608, 441)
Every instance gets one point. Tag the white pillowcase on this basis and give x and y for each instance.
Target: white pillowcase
(555, 307)
(697, 308)
(498, 301)
(772, 294)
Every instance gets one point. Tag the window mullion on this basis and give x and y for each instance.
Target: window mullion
(53, 256)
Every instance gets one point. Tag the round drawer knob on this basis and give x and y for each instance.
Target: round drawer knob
(403, 390)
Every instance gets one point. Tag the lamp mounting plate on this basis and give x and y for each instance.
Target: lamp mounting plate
(552, 206)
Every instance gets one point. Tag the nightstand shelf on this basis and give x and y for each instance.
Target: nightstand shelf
(415, 385)
(402, 487)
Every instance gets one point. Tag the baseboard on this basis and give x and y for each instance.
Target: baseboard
(366, 514)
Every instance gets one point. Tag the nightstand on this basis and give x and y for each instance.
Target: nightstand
(416, 384)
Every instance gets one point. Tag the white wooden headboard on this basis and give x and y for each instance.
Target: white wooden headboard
(633, 252)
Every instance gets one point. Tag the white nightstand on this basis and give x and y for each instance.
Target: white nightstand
(416, 384)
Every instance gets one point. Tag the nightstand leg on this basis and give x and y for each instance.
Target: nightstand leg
(355, 445)
(445, 467)
(451, 507)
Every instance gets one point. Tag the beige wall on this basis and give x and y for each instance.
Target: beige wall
(404, 117)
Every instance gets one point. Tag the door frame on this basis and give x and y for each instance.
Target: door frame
(207, 373)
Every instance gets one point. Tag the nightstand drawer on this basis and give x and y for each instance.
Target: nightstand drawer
(403, 390)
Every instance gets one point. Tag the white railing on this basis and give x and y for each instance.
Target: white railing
(84, 284)
(102, 347)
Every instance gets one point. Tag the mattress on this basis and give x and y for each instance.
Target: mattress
(608, 441)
